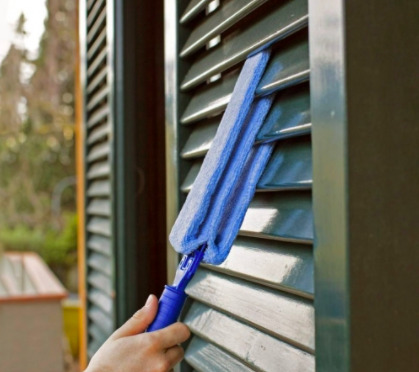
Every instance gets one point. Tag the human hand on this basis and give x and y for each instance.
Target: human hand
(129, 349)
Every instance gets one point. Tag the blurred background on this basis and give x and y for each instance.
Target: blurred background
(37, 139)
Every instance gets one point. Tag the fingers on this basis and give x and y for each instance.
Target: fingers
(139, 321)
(174, 355)
(172, 335)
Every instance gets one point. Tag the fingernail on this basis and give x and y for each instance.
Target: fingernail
(148, 302)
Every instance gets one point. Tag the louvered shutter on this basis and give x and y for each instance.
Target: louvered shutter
(255, 311)
(98, 159)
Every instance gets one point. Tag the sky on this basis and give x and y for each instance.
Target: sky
(10, 10)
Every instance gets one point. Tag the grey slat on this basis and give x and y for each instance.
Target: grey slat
(99, 44)
(99, 189)
(206, 357)
(92, 348)
(98, 98)
(99, 207)
(285, 216)
(99, 116)
(101, 281)
(288, 66)
(97, 81)
(99, 59)
(290, 166)
(98, 170)
(93, 12)
(91, 2)
(255, 348)
(98, 152)
(292, 320)
(289, 115)
(191, 176)
(97, 334)
(210, 100)
(98, 134)
(193, 8)
(101, 300)
(100, 262)
(98, 225)
(288, 17)
(98, 24)
(225, 17)
(284, 266)
(101, 319)
(100, 244)
(200, 139)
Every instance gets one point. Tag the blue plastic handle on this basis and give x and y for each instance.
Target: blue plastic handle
(170, 305)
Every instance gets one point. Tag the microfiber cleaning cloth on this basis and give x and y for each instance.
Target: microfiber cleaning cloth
(216, 205)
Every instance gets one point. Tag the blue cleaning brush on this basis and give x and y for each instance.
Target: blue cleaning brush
(215, 207)
(174, 296)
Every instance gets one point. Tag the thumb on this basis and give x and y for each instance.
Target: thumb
(139, 322)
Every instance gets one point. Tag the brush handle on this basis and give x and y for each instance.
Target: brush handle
(170, 305)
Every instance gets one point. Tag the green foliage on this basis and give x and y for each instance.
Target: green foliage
(57, 248)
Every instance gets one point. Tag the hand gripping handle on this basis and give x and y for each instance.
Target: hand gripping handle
(170, 306)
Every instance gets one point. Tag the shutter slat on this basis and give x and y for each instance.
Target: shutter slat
(284, 266)
(98, 98)
(101, 319)
(100, 262)
(99, 116)
(193, 8)
(96, 27)
(98, 134)
(222, 19)
(98, 80)
(93, 12)
(97, 46)
(288, 66)
(97, 334)
(99, 59)
(101, 281)
(292, 320)
(253, 347)
(90, 4)
(290, 166)
(98, 225)
(191, 176)
(99, 170)
(285, 216)
(279, 23)
(99, 151)
(210, 100)
(101, 300)
(200, 140)
(100, 244)
(209, 358)
(289, 115)
(99, 207)
(99, 189)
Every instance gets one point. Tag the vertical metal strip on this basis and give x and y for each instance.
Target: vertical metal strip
(80, 84)
(330, 184)
(110, 32)
(171, 126)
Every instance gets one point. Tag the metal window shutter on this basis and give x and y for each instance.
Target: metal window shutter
(98, 193)
(255, 311)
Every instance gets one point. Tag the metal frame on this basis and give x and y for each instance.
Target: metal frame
(364, 88)
(175, 102)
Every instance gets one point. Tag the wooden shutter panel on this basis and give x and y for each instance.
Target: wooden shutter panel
(98, 142)
(255, 311)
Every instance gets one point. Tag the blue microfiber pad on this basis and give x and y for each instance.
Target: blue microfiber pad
(216, 205)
